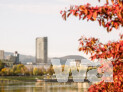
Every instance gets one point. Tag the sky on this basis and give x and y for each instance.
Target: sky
(21, 21)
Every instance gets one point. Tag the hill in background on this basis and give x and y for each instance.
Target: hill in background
(23, 58)
(64, 59)
(29, 58)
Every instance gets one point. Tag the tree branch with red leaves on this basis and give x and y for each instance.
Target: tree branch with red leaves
(108, 16)
(98, 50)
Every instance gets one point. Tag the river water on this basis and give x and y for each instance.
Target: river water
(43, 87)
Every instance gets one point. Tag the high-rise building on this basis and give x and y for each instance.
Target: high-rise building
(16, 55)
(41, 50)
(1, 54)
(14, 58)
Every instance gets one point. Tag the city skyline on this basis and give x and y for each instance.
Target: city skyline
(23, 21)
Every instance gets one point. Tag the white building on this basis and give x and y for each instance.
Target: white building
(1, 54)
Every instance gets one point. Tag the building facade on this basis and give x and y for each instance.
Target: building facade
(16, 55)
(41, 50)
(1, 54)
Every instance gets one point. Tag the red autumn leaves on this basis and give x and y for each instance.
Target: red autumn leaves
(99, 50)
(108, 16)
(115, 86)
(110, 50)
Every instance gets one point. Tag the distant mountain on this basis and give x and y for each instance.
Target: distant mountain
(76, 57)
(23, 58)
(64, 59)
(29, 58)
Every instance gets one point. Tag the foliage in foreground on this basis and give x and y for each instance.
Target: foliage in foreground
(109, 16)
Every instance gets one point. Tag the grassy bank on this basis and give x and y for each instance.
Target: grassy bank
(19, 78)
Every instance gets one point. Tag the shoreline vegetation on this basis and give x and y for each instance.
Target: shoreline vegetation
(21, 73)
(4, 79)
(27, 78)
(31, 79)
(19, 78)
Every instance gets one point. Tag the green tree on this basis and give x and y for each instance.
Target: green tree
(4, 71)
(1, 65)
(50, 71)
(35, 71)
(19, 69)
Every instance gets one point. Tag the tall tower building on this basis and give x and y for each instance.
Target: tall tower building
(1, 54)
(41, 50)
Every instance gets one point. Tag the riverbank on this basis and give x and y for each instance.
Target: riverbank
(31, 79)
(19, 78)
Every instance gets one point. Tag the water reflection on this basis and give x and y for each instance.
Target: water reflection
(43, 87)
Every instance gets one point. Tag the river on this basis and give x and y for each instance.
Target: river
(43, 87)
